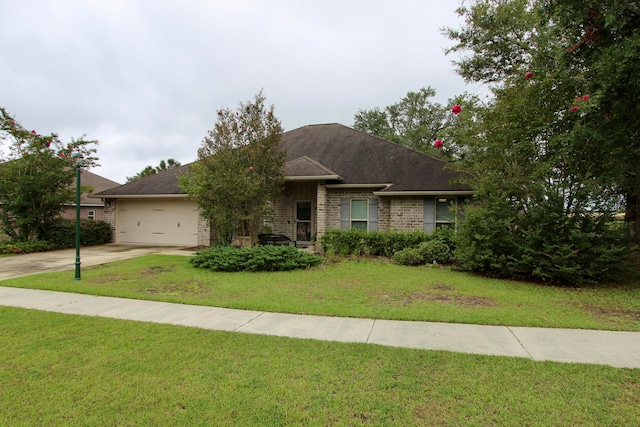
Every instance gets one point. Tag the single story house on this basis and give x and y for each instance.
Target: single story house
(336, 177)
(91, 207)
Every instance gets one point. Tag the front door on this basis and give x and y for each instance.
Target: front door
(303, 222)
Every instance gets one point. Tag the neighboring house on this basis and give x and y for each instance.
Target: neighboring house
(91, 207)
(336, 177)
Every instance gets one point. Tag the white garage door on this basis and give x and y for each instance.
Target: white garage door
(157, 222)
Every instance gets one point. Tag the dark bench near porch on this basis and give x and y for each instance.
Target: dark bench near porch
(275, 239)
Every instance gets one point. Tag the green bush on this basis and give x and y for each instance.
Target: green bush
(258, 258)
(435, 250)
(545, 245)
(378, 243)
(408, 256)
(25, 247)
(61, 233)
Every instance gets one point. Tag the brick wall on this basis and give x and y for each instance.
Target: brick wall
(109, 212)
(204, 232)
(70, 213)
(406, 213)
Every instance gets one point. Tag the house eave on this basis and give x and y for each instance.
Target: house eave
(424, 193)
(357, 185)
(145, 196)
(314, 178)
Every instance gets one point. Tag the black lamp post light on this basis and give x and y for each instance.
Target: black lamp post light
(77, 163)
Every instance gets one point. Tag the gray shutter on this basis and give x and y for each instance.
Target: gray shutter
(373, 215)
(345, 214)
(429, 214)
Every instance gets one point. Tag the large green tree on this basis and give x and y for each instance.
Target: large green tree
(151, 170)
(576, 48)
(239, 171)
(417, 122)
(36, 177)
(548, 164)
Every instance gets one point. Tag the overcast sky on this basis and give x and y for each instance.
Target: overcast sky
(145, 77)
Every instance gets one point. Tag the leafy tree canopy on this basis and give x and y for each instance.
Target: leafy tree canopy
(239, 171)
(36, 176)
(150, 170)
(418, 122)
(556, 151)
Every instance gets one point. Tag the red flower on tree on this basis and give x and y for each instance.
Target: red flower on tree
(250, 168)
(575, 108)
(585, 97)
(528, 75)
(457, 109)
(438, 143)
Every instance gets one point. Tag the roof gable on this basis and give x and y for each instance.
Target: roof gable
(306, 168)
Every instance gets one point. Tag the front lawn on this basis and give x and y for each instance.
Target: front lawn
(370, 288)
(65, 370)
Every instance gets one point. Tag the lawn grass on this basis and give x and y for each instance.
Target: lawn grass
(369, 288)
(65, 370)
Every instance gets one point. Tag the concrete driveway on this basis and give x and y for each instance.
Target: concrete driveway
(43, 262)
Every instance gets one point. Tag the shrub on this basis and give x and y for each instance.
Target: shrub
(61, 233)
(358, 242)
(344, 243)
(408, 256)
(25, 247)
(546, 245)
(258, 258)
(435, 250)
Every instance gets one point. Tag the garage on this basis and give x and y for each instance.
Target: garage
(157, 221)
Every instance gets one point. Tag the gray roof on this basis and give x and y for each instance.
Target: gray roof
(306, 168)
(361, 158)
(97, 184)
(162, 183)
(337, 154)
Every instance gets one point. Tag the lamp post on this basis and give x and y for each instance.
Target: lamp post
(77, 163)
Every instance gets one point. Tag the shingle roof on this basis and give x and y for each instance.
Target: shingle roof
(338, 153)
(162, 183)
(97, 183)
(306, 168)
(361, 158)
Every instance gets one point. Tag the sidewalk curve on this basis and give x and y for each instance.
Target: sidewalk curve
(617, 349)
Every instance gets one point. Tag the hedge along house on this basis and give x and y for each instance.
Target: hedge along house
(335, 178)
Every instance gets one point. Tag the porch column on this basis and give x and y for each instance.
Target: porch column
(321, 210)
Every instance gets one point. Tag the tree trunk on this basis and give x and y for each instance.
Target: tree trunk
(633, 211)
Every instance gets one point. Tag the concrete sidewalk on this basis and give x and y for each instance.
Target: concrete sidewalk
(618, 349)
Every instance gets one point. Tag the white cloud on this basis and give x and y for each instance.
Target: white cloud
(146, 77)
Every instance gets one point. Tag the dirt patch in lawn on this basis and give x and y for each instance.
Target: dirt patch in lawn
(612, 314)
(156, 269)
(461, 300)
(185, 290)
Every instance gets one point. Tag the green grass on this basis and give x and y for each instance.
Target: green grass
(64, 370)
(370, 288)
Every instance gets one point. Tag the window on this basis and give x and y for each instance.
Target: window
(91, 215)
(449, 211)
(359, 214)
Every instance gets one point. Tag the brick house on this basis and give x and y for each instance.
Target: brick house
(335, 177)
